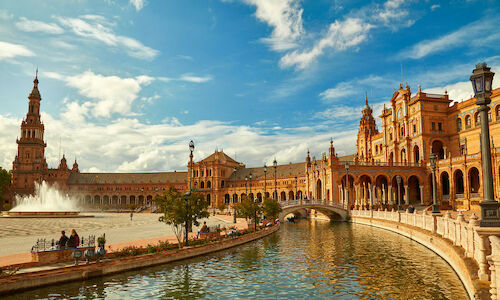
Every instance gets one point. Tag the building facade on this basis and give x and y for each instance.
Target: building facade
(390, 167)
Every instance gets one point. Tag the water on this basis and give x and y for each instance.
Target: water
(309, 259)
(47, 198)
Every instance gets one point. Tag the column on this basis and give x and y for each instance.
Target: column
(383, 194)
(356, 197)
(421, 194)
(370, 193)
(407, 198)
(390, 194)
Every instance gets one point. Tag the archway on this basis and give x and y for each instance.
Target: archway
(283, 196)
(445, 185)
(458, 178)
(123, 200)
(259, 197)
(149, 199)
(413, 190)
(346, 190)
(141, 200)
(106, 199)
(209, 199)
(114, 200)
(235, 198)
(290, 195)
(251, 196)
(97, 199)
(319, 194)
(243, 196)
(267, 194)
(438, 148)
(202, 185)
(416, 154)
(381, 189)
(364, 193)
(398, 191)
(474, 180)
(226, 199)
(209, 184)
(403, 155)
(132, 200)
(391, 157)
(299, 195)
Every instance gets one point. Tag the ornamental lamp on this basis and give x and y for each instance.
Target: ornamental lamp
(265, 168)
(482, 80)
(191, 146)
(275, 163)
(433, 159)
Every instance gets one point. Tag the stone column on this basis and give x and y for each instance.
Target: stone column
(383, 194)
(421, 194)
(390, 194)
(407, 194)
(370, 192)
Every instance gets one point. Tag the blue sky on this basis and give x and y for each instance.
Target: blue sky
(127, 84)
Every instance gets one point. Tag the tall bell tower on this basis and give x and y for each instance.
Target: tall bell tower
(30, 165)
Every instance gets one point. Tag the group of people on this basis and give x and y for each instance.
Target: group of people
(72, 242)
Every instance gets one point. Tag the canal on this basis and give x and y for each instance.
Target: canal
(308, 259)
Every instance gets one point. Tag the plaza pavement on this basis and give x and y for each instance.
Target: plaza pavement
(17, 236)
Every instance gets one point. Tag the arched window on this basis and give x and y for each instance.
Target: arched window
(467, 122)
(477, 119)
(202, 184)
(400, 113)
(402, 130)
(459, 124)
(497, 112)
(222, 184)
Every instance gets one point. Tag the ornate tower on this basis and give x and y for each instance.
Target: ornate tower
(30, 165)
(367, 129)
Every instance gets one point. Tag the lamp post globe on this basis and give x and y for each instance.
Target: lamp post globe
(482, 82)
(191, 146)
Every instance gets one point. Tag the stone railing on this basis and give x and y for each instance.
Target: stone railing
(482, 244)
(319, 202)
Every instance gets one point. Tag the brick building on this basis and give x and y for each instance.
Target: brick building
(413, 126)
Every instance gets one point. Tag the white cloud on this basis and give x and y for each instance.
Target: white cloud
(108, 94)
(150, 99)
(98, 29)
(460, 91)
(196, 79)
(354, 87)
(435, 6)
(285, 17)
(391, 13)
(341, 35)
(38, 26)
(8, 50)
(4, 15)
(138, 4)
(128, 145)
(474, 34)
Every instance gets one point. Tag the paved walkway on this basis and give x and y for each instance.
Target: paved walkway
(116, 237)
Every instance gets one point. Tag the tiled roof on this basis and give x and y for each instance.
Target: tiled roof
(127, 178)
(219, 155)
(296, 169)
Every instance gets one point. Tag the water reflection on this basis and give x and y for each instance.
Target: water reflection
(306, 259)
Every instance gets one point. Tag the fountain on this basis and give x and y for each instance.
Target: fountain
(47, 202)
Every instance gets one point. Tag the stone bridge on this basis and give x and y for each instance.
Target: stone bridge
(335, 210)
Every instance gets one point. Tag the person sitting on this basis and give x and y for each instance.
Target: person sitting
(63, 240)
(203, 229)
(74, 239)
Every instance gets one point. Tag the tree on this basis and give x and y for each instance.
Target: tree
(248, 208)
(176, 213)
(221, 207)
(5, 180)
(271, 207)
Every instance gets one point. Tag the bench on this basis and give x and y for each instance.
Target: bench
(213, 232)
(56, 256)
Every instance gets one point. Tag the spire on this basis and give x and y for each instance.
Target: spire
(34, 92)
(366, 98)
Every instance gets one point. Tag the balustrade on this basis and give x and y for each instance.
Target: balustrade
(480, 244)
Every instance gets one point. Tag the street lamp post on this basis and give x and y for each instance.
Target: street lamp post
(435, 205)
(275, 165)
(191, 149)
(482, 80)
(398, 181)
(265, 180)
(347, 183)
(250, 182)
(186, 195)
(246, 182)
(295, 187)
(234, 207)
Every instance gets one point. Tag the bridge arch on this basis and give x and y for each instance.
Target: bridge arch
(333, 211)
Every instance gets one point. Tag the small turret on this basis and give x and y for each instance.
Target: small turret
(63, 165)
(75, 167)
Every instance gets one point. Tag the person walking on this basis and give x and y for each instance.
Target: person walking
(131, 215)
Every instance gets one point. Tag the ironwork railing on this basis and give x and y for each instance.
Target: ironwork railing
(42, 245)
(320, 202)
(379, 163)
